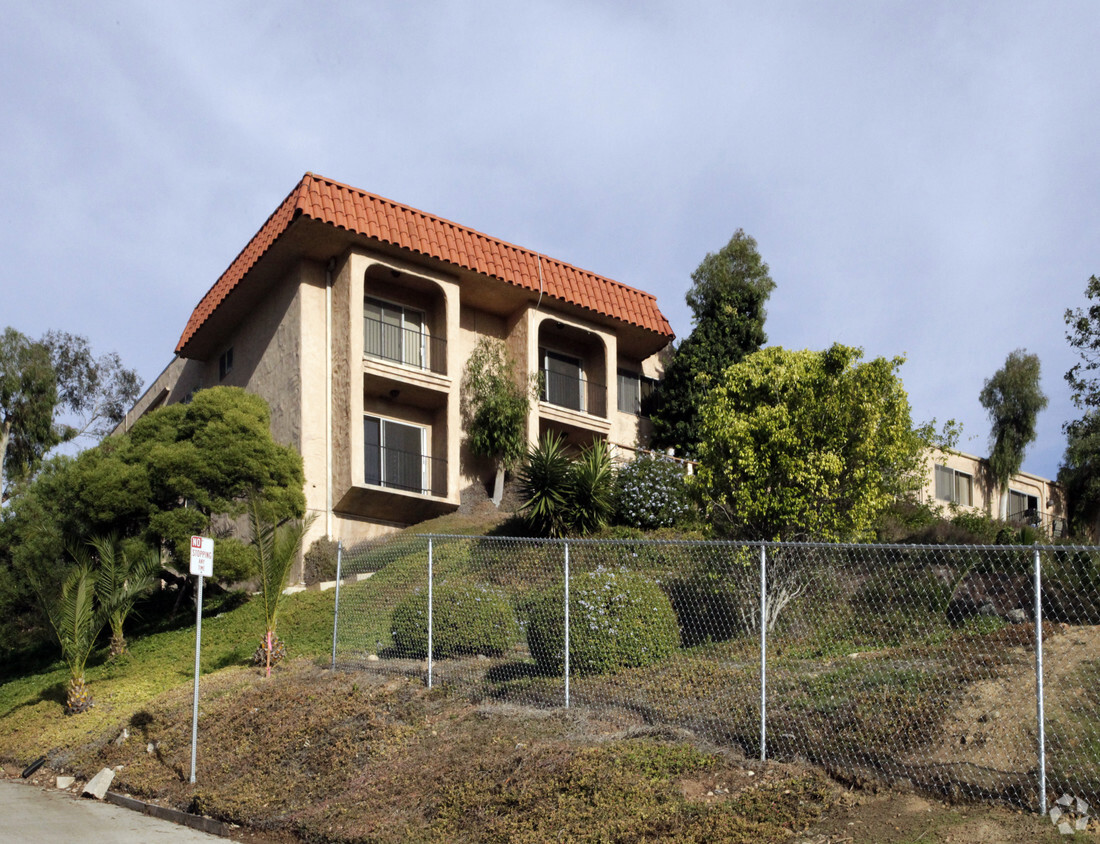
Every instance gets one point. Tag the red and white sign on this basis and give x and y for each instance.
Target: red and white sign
(202, 556)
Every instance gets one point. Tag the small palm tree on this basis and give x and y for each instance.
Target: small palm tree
(76, 621)
(122, 580)
(276, 548)
(544, 485)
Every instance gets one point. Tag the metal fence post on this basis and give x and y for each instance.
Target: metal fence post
(429, 612)
(566, 625)
(1040, 720)
(336, 609)
(763, 652)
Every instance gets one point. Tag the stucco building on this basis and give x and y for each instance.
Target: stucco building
(963, 481)
(353, 316)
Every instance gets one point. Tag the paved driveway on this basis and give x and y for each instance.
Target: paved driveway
(32, 813)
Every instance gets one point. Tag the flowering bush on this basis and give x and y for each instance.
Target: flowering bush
(650, 493)
(617, 619)
(466, 619)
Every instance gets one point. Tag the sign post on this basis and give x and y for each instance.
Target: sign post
(202, 565)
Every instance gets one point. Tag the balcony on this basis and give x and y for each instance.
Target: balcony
(406, 471)
(573, 393)
(410, 347)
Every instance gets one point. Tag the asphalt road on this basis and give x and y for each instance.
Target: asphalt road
(30, 813)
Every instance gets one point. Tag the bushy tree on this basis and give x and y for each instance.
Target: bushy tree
(1084, 336)
(496, 409)
(1013, 399)
(45, 387)
(1080, 470)
(807, 444)
(727, 296)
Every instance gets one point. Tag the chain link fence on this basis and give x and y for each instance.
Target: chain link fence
(910, 665)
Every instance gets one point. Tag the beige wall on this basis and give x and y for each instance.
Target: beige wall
(301, 347)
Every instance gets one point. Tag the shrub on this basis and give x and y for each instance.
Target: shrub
(319, 563)
(650, 493)
(234, 561)
(617, 619)
(565, 495)
(466, 619)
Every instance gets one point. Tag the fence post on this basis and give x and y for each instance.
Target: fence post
(429, 612)
(1041, 721)
(763, 652)
(336, 610)
(566, 625)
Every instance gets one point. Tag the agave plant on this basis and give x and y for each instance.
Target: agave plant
(76, 621)
(276, 548)
(122, 580)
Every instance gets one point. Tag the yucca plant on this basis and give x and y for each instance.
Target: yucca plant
(121, 581)
(76, 620)
(591, 489)
(276, 547)
(544, 484)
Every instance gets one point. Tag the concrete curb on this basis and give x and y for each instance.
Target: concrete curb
(198, 822)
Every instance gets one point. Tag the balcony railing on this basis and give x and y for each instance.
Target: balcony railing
(574, 393)
(409, 471)
(408, 346)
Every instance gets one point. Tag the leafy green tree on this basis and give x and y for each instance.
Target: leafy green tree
(496, 407)
(727, 297)
(1013, 399)
(47, 384)
(76, 620)
(1080, 472)
(28, 396)
(1083, 334)
(276, 547)
(807, 445)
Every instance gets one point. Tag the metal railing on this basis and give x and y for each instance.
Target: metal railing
(410, 471)
(408, 346)
(573, 393)
(968, 671)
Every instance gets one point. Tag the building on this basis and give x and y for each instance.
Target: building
(956, 479)
(353, 316)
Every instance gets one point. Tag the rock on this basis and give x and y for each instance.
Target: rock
(65, 782)
(1066, 828)
(1065, 800)
(125, 734)
(1016, 616)
(1055, 815)
(1081, 824)
(97, 786)
(372, 658)
(1082, 806)
(990, 594)
(150, 748)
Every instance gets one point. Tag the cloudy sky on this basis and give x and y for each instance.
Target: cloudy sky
(922, 178)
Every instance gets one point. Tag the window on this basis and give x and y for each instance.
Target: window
(225, 363)
(394, 332)
(562, 380)
(395, 454)
(954, 486)
(635, 392)
(1022, 506)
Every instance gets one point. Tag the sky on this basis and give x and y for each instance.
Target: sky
(921, 178)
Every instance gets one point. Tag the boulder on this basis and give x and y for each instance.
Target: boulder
(97, 786)
(993, 594)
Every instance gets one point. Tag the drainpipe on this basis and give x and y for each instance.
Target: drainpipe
(328, 396)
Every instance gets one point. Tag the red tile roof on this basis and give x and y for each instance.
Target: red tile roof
(389, 222)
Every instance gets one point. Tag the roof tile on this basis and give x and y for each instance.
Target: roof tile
(372, 216)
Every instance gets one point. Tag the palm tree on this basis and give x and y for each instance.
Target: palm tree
(122, 580)
(76, 620)
(276, 548)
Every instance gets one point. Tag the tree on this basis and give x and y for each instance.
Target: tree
(1013, 399)
(807, 445)
(496, 409)
(122, 578)
(42, 382)
(76, 621)
(276, 547)
(28, 396)
(727, 297)
(1080, 471)
(1084, 336)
